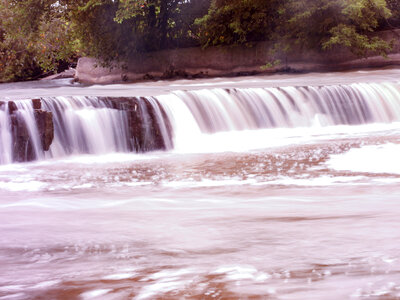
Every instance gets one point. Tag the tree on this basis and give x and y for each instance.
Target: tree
(324, 24)
(35, 36)
(394, 21)
(117, 30)
(98, 34)
(313, 24)
(237, 22)
(162, 24)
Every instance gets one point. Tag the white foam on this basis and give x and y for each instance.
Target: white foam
(13, 296)
(169, 274)
(29, 186)
(106, 158)
(317, 181)
(119, 276)
(11, 288)
(150, 291)
(281, 180)
(247, 140)
(237, 273)
(208, 183)
(165, 281)
(46, 284)
(94, 293)
(369, 159)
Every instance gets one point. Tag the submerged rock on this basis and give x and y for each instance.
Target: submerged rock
(22, 149)
(44, 121)
(12, 107)
(37, 104)
(146, 132)
(23, 146)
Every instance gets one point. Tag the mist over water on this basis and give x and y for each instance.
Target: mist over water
(270, 192)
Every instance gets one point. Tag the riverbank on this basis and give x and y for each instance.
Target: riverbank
(196, 62)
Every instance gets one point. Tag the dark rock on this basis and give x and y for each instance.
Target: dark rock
(148, 77)
(37, 104)
(172, 72)
(23, 149)
(145, 131)
(12, 107)
(200, 75)
(44, 121)
(22, 144)
(136, 130)
(2, 103)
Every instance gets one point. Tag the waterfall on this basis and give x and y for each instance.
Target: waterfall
(5, 135)
(98, 125)
(256, 108)
(199, 114)
(86, 125)
(25, 113)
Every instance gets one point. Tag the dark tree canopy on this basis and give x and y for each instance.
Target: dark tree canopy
(237, 21)
(34, 36)
(38, 36)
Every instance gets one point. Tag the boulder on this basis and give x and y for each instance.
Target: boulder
(44, 121)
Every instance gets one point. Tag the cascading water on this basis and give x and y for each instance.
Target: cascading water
(5, 136)
(86, 125)
(25, 113)
(98, 125)
(196, 114)
(255, 108)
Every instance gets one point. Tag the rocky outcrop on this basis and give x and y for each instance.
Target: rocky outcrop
(23, 148)
(145, 129)
(229, 61)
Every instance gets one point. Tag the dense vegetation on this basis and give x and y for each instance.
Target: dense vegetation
(39, 36)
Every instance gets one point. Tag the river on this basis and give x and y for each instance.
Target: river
(277, 187)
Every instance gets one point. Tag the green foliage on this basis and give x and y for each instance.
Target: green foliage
(316, 24)
(161, 24)
(97, 33)
(359, 44)
(36, 36)
(117, 30)
(31, 45)
(324, 24)
(238, 21)
(271, 64)
(394, 20)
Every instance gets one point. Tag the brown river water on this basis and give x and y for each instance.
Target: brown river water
(292, 210)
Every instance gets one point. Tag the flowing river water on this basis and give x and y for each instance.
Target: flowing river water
(279, 187)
